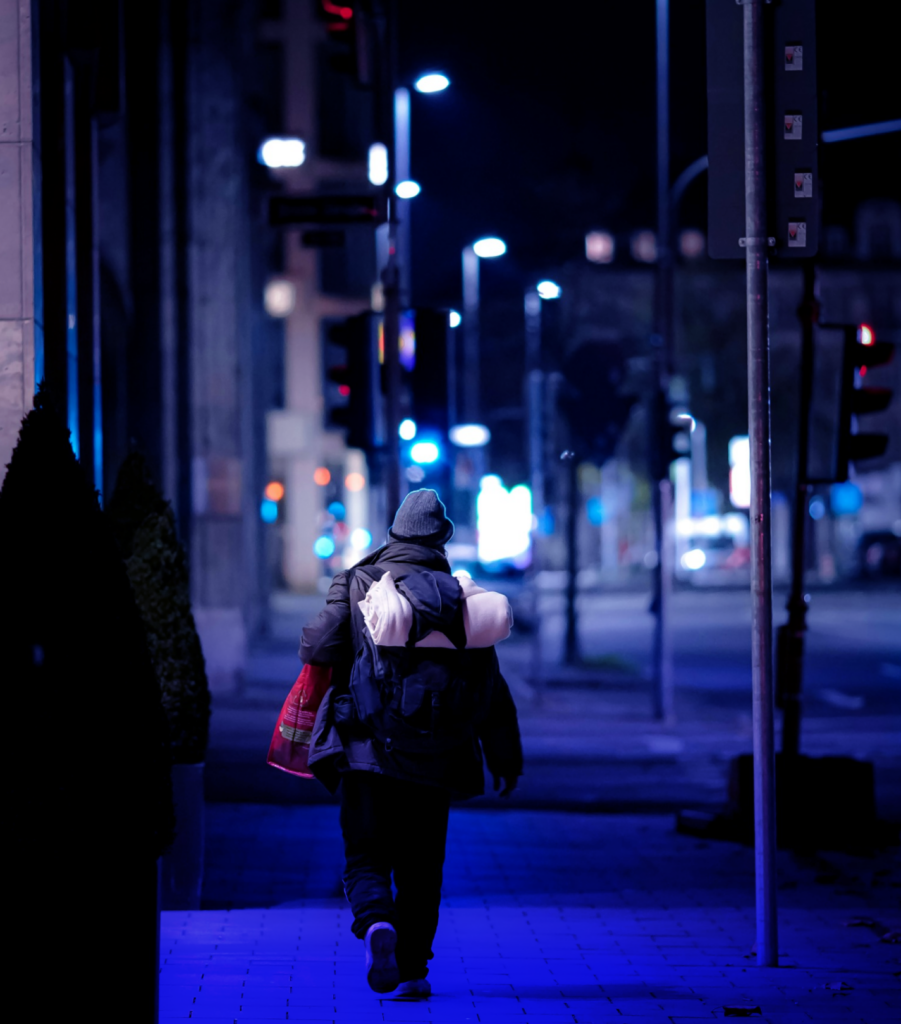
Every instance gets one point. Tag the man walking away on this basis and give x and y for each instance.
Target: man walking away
(402, 730)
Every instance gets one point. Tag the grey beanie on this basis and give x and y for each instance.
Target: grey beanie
(422, 519)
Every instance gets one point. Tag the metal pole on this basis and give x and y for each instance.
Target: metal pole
(402, 173)
(391, 290)
(662, 489)
(532, 307)
(572, 632)
(790, 637)
(471, 379)
(759, 431)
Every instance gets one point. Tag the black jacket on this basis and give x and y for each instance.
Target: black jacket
(338, 745)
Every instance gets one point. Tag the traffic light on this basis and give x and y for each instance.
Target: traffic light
(429, 376)
(673, 434)
(591, 400)
(352, 385)
(861, 353)
(677, 426)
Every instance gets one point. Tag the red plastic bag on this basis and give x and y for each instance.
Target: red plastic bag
(290, 746)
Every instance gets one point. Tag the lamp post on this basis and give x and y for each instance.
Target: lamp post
(546, 291)
(426, 84)
(484, 248)
(393, 255)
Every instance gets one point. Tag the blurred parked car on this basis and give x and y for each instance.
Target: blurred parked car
(879, 554)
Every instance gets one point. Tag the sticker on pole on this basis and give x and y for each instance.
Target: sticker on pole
(794, 58)
(803, 185)
(797, 234)
(792, 125)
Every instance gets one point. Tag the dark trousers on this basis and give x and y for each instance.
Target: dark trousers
(390, 825)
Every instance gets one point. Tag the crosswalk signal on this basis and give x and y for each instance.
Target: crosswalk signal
(862, 352)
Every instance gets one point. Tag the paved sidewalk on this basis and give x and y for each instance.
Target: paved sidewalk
(547, 917)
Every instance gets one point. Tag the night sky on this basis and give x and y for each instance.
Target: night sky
(548, 128)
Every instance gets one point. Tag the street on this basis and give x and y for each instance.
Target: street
(589, 739)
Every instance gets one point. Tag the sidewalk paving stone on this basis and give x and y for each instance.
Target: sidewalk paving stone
(547, 917)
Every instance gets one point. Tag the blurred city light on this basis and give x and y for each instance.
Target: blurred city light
(278, 298)
(691, 243)
(378, 163)
(407, 430)
(600, 247)
(817, 507)
(321, 476)
(337, 510)
(548, 289)
(425, 452)
(268, 510)
(324, 547)
(432, 82)
(469, 435)
(694, 559)
(644, 247)
(504, 522)
(280, 152)
(740, 471)
(274, 490)
(464, 573)
(846, 498)
(488, 248)
(454, 318)
(686, 416)
(415, 474)
(866, 335)
(360, 539)
(594, 508)
(407, 340)
(355, 481)
(407, 189)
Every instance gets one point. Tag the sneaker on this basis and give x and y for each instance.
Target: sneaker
(418, 988)
(381, 967)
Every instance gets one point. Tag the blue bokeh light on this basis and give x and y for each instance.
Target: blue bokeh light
(268, 510)
(324, 547)
(425, 452)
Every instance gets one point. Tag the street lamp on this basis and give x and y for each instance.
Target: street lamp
(432, 81)
(405, 188)
(486, 249)
(546, 291)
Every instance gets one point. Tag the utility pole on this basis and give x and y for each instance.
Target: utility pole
(755, 243)
(662, 488)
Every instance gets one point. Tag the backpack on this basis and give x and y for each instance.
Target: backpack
(414, 699)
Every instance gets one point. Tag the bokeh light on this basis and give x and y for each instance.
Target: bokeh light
(489, 248)
(324, 547)
(360, 539)
(378, 163)
(434, 81)
(355, 481)
(282, 152)
(322, 476)
(274, 490)
(425, 452)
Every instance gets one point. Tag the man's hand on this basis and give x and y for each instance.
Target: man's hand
(509, 785)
